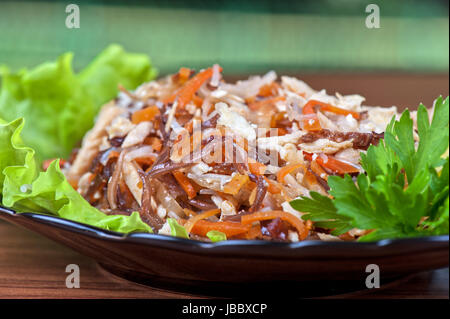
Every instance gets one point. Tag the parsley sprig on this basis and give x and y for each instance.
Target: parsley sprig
(405, 189)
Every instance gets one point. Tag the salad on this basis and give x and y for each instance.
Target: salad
(267, 158)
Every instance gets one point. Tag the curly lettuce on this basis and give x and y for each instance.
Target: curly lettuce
(59, 104)
(23, 188)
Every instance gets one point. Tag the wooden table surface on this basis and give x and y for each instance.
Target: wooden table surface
(32, 266)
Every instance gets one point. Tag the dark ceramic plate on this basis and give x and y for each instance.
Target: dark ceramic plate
(218, 268)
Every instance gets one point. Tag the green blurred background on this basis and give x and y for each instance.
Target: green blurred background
(243, 36)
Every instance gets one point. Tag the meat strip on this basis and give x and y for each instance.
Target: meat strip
(360, 140)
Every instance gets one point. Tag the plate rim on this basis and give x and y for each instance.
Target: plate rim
(195, 246)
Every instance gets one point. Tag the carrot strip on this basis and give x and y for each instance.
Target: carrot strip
(234, 186)
(252, 197)
(144, 115)
(189, 212)
(316, 168)
(187, 91)
(299, 225)
(154, 142)
(277, 117)
(183, 74)
(313, 123)
(273, 187)
(281, 174)
(256, 167)
(185, 184)
(202, 227)
(253, 233)
(198, 101)
(195, 219)
(337, 110)
(336, 166)
(74, 184)
(148, 160)
(269, 89)
(309, 109)
(311, 179)
(259, 104)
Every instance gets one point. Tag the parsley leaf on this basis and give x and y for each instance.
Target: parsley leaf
(322, 212)
(405, 190)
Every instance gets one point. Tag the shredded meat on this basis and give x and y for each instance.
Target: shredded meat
(275, 229)
(92, 141)
(261, 190)
(148, 215)
(360, 140)
(133, 164)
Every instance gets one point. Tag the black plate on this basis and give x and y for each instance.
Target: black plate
(217, 268)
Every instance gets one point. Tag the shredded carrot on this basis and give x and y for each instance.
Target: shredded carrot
(113, 154)
(276, 118)
(147, 114)
(253, 233)
(196, 218)
(281, 174)
(234, 186)
(337, 166)
(282, 131)
(334, 109)
(148, 160)
(229, 197)
(189, 212)
(316, 168)
(230, 229)
(308, 156)
(185, 184)
(74, 184)
(256, 105)
(269, 89)
(313, 123)
(273, 187)
(198, 101)
(333, 164)
(256, 168)
(311, 179)
(299, 225)
(252, 197)
(189, 126)
(154, 142)
(187, 91)
(184, 74)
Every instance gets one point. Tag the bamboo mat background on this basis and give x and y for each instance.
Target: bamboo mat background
(243, 36)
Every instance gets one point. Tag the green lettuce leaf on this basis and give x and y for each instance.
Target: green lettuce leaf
(114, 66)
(59, 105)
(24, 189)
(176, 229)
(216, 236)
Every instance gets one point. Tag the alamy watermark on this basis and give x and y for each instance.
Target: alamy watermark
(73, 17)
(373, 279)
(373, 19)
(73, 279)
